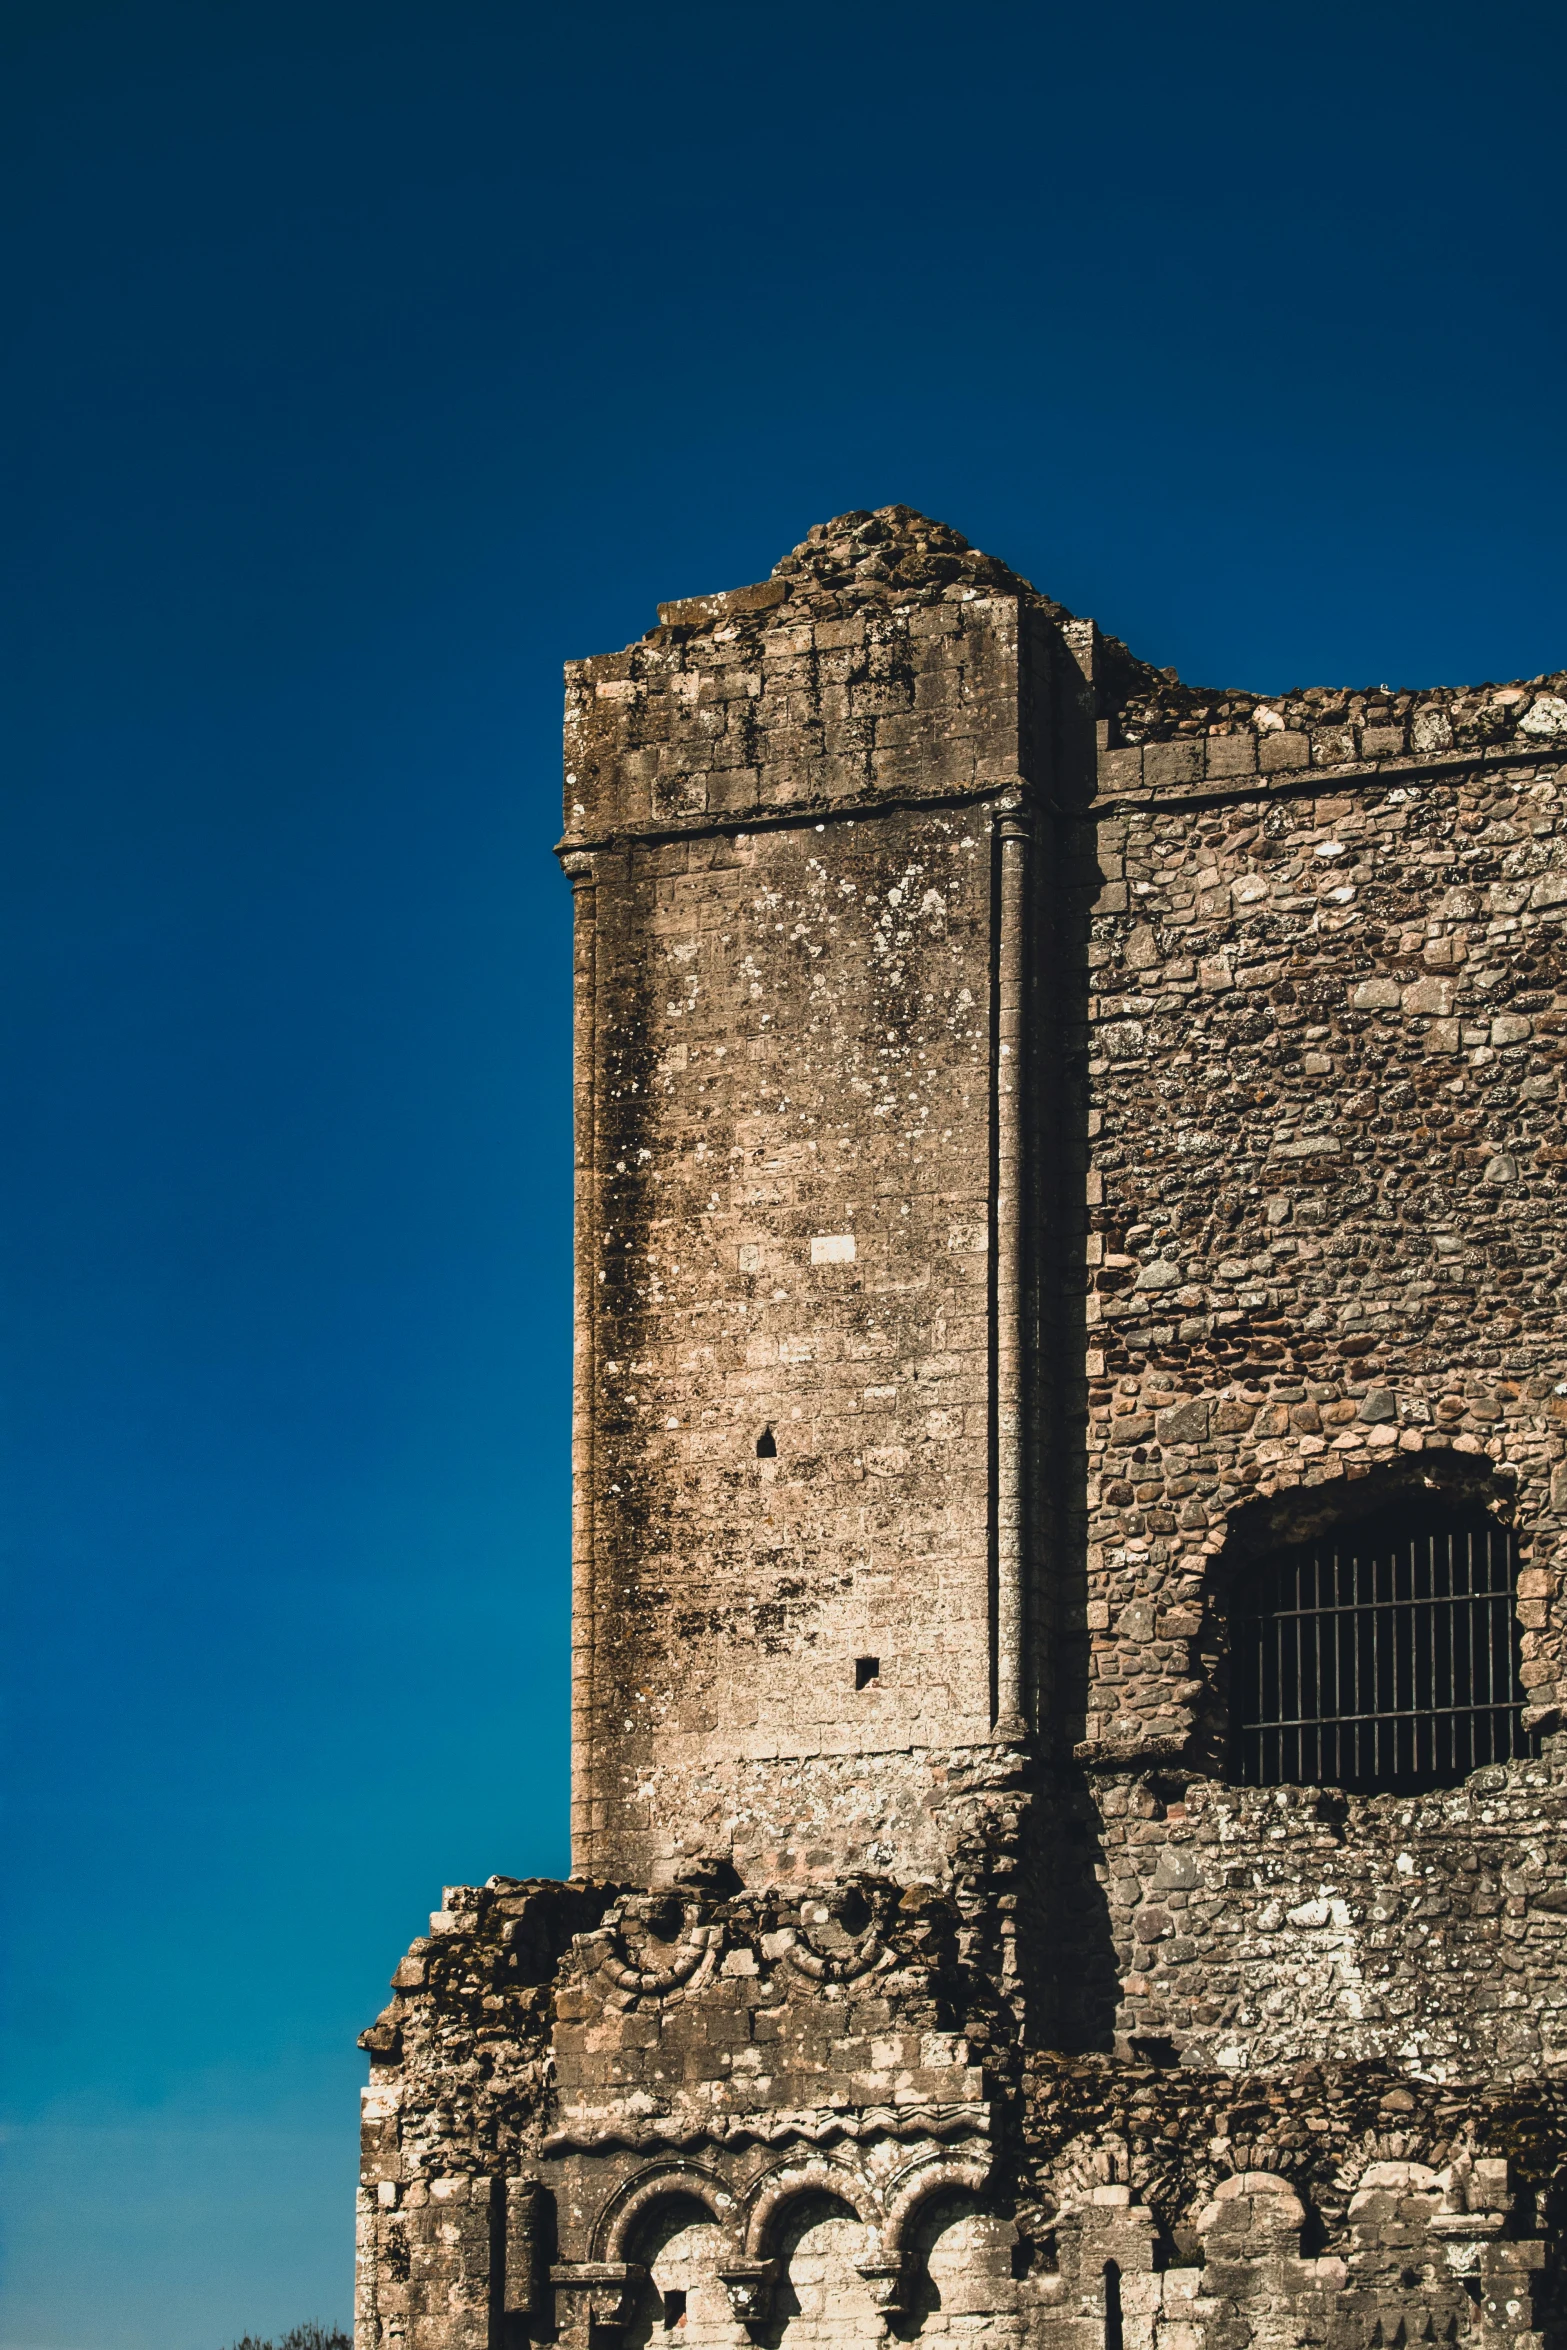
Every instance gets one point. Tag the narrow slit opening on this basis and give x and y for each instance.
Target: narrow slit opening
(767, 1446)
(1114, 2332)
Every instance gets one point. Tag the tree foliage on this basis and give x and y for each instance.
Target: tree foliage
(305, 2337)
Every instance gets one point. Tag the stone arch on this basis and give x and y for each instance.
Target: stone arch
(1255, 2207)
(937, 2176)
(684, 1958)
(833, 2282)
(1393, 2180)
(677, 2251)
(615, 2229)
(1295, 1510)
(786, 2184)
(952, 2249)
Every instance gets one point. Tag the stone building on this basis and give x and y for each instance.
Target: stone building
(1070, 1802)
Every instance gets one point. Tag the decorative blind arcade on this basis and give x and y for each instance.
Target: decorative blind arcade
(1383, 1655)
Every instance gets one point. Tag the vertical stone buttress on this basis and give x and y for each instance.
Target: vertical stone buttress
(808, 1569)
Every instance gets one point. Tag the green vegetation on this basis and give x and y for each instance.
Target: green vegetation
(305, 2337)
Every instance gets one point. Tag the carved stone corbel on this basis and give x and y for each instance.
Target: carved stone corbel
(594, 2296)
(750, 2285)
(887, 2280)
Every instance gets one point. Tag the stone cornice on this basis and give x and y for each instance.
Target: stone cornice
(821, 2126)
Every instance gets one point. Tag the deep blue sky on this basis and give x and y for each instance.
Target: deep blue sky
(363, 363)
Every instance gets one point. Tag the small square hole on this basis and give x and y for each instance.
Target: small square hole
(866, 1670)
(674, 2311)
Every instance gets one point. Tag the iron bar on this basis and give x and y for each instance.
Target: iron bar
(1382, 1658)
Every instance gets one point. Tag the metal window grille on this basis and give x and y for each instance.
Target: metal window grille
(1383, 1656)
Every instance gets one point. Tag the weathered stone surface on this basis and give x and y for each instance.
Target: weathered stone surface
(1047, 1137)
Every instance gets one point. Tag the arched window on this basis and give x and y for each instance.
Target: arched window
(1380, 1656)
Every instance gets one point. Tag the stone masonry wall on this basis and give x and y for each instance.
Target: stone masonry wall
(1264, 1927)
(1164, 734)
(781, 826)
(1327, 1215)
(460, 2068)
(533, 2087)
(884, 657)
(887, 2015)
(793, 1231)
(1326, 1240)
(809, 2117)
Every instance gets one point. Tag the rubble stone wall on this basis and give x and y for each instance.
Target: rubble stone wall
(1260, 1927)
(1326, 1215)
(1162, 733)
(1325, 1252)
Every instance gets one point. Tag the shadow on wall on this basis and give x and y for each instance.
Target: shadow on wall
(956, 2267)
(683, 2300)
(1072, 1931)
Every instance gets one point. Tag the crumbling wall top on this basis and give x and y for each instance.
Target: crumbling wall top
(883, 570)
(857, 561)
(893, 555)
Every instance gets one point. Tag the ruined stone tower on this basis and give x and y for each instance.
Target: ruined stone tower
(1069, 1800)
